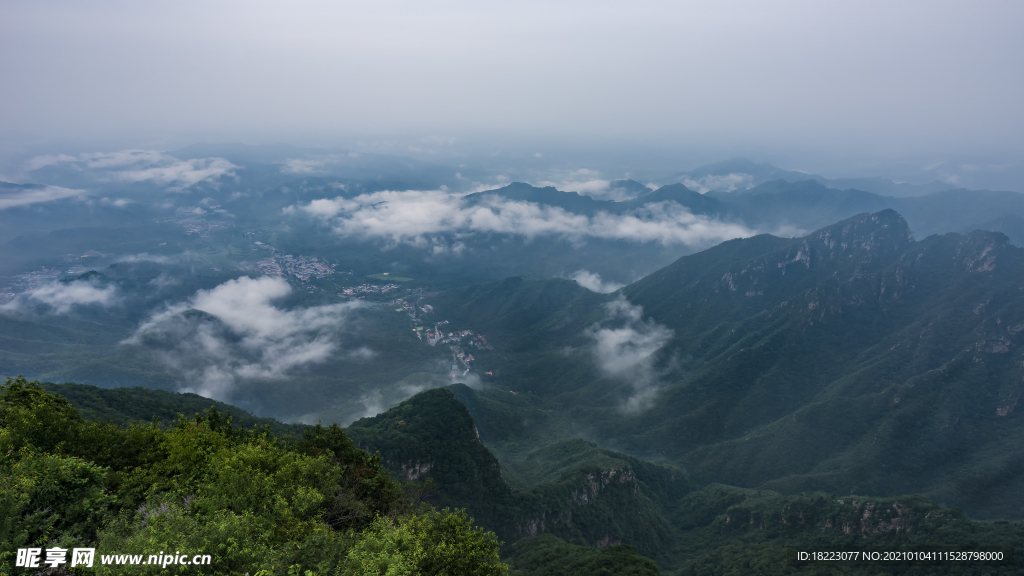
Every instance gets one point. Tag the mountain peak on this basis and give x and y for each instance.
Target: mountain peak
(732, 278)
(884, 231)
(523, 192)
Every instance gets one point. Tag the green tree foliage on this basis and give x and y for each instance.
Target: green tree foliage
(428, 543)
(252, 500)
(47, 497)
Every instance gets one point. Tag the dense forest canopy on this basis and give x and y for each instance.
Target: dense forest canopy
(255, 502)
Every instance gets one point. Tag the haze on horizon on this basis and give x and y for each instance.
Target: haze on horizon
(867, 88)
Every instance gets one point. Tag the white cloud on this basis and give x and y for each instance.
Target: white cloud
(588, 183)
(27, 196)
(116, 202)
(233, 333)
(720, 183)
(62, 296)
(628, 351)
(298, 166)
(122, 158)
(48, 160)
(381, 399)
(143, 165)
(412, 216)
(592, 281)
(147, 257)
(182, 173)
(788, 231)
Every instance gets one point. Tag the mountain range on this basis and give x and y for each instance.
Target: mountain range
(853, 360)
(850, 386)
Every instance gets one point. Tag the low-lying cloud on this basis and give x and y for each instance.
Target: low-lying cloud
(142, 166)
(61, 297)
(10, 198)
(182, 173)
(592, 183)
(233, 333)
(592, 281)
(625, 346)
(719, 183)
(413, 216)
(321, 164)
(383, 398)
(155, 258)
(589, 183)
(300, 166)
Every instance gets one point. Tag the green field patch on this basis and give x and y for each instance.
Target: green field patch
(389, 278)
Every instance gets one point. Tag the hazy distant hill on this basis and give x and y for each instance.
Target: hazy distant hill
(1010, 224)
(740, 175)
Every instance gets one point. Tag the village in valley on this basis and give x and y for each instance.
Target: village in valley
(362, 290)
(301, 267)
(434, 331)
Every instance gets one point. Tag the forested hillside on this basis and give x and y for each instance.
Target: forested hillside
(250, 501)
(854, 360)
(588, 510)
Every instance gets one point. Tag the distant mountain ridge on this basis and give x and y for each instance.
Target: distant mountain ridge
(741, 174)
(781, 206)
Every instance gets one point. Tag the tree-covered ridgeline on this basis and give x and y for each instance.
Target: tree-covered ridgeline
(257, 503)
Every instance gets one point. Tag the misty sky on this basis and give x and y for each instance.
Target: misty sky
(844, 80)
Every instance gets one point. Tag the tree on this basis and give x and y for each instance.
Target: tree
(428, 543)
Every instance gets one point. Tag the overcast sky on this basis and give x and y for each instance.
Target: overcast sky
(864, 79)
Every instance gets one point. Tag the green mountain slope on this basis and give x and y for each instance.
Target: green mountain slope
(592, 497)
(587, 510)
(852, 360)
